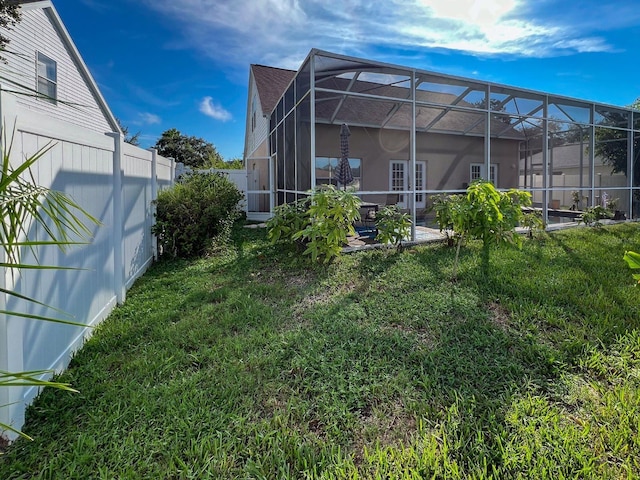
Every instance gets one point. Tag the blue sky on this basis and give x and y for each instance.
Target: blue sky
(185, 63)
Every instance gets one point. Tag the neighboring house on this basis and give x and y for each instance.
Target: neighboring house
(414, 133)
(571, 170)
(43, 57)
(266, 86)
(49, 98)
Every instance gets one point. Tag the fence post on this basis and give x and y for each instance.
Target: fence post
(118, 219)
(154, 197)
(11, 328)
(11, 357)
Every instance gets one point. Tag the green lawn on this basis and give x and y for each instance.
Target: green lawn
(251, 365)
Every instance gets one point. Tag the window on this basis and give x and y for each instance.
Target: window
(47, 79)
(325, 167)
(478, 171)
(253, 112)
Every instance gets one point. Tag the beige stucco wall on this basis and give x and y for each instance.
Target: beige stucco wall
(447, 157)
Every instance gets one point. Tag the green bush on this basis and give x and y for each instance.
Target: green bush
(592, 216)
(484, 213)
(195, 214)
(320, 223)
(288, 219)
(393, 225)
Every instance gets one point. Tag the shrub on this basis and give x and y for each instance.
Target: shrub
(592, 216)
(196, 213)
(287, 220)
(320, 223)
(393, 225)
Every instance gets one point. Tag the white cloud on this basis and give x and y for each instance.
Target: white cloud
(281, 32)
(213, 110)
(149, 118)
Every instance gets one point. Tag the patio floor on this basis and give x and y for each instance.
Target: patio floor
(423, 235)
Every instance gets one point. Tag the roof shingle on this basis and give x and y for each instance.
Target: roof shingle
(271, 83)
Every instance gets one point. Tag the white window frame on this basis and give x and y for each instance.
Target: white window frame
(333, 163)
(482, 173)
(43, 74)
(254, 108)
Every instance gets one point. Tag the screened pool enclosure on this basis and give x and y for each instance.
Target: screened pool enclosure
(415, 134)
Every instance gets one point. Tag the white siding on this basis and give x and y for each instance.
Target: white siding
(259, 134)
(37, 32)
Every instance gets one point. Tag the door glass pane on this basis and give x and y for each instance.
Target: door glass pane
(419, 180)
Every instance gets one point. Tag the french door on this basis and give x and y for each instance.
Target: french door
(399, 181)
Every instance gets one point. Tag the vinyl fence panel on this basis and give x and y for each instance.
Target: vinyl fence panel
(81, 163)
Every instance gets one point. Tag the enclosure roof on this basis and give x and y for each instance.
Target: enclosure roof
(337, 64)
(271, 83)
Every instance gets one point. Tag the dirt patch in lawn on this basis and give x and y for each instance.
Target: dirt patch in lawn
(499, 316)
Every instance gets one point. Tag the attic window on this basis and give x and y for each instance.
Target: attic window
(47, 79)
(254, 108)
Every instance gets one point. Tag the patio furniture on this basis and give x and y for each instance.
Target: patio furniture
(366, 227)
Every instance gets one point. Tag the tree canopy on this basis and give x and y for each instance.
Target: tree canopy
(233, 164)
(192, 151)
(611, 146)
(9, 16)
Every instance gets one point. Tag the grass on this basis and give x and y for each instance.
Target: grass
(249, 364)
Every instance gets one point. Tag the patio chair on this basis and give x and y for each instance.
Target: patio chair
(366, 227)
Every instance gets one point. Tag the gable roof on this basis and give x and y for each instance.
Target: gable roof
(48, 7)
(271, 83)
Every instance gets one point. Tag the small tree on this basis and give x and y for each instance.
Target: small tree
(611, 145)
(9, 16)
(486, 214)
(393, 226)
(633, 260)
(218, 163)
(320, 223)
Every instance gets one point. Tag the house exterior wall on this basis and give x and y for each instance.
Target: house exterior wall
(256, 135)
(37, 31)
(256, 154)
(448, 157)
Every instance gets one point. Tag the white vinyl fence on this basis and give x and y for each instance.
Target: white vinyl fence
(116, 183)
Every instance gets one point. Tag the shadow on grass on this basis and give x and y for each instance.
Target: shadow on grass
(360, 358)
(253, 347)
